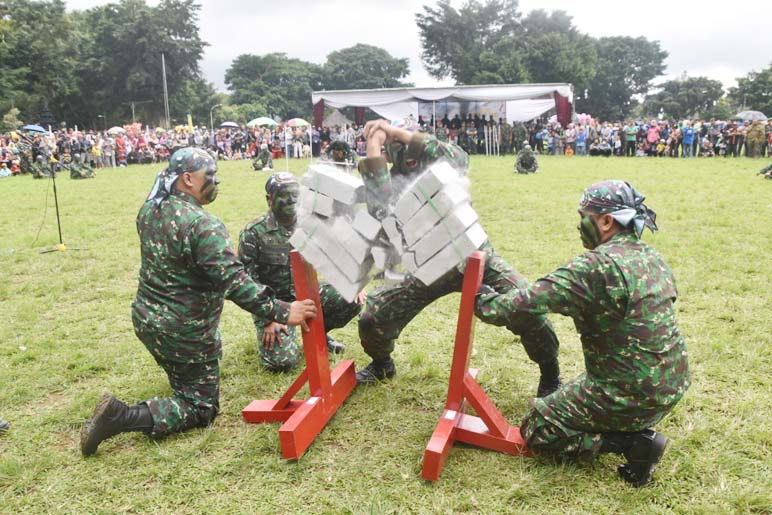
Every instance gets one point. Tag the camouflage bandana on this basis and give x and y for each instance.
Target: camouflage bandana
(187, 159)
(621, 201)
(277, 180)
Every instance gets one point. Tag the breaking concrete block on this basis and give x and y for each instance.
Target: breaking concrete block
(307, 248)
(366, 225)
(315, 202)
(432, 212)
(325, 240)
(350, 240)
(390, 227)
(334, 183)
(408, 261)
(380, 257)
(407, 205)
(392, 277)
(441, 234)
(453, 254)
(435, 178)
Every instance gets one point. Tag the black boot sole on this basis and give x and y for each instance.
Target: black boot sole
(639, 473)
(87, 446)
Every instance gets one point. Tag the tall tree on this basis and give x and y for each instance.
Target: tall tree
(364, 67)
(556, 51)
(686, 97)
(754, 91)
(626, 66)
(282, 84)
(476, 43)
(39, 50)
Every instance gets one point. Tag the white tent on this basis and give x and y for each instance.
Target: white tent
(522, 101)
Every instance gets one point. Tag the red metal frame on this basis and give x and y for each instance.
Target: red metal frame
(488, 429)
(305, 419)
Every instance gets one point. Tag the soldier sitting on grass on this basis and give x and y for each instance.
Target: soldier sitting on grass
(264, 249)
(621, 295)
(766, 172)
(264, 160)
(526, 160)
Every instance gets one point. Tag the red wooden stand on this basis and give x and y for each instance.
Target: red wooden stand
(489, 429)
(305, 419)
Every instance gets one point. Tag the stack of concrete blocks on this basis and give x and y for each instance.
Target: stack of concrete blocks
(437, 223)
(326, 236)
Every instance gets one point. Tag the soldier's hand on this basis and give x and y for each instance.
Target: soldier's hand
(484, 289)
(272, 334)
(300, 311)
(361, 297)
(373, 127)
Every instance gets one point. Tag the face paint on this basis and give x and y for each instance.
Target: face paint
(284, 203)
(210, 188)
(589, 232)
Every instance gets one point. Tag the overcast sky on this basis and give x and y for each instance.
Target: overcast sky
(721, 41)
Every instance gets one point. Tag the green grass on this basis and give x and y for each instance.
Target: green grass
(66, 336)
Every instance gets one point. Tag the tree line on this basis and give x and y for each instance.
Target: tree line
(102, 65)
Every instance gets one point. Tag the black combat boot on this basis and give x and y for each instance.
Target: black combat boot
(112, 417)
(550, 378)
(378, 370)
(333, 346)
(643, 451)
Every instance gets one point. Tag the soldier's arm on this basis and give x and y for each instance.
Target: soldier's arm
(570, 290)
(248, 251)
(213, 254)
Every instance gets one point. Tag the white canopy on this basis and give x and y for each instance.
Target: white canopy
(524, 101)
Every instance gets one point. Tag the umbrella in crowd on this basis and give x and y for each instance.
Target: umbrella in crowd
(751, 116)
(262, 121)
(116, 130)
(34, 128)
(229, 125)
(297, 122)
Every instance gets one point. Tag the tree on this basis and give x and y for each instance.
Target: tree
(39, 49)
(282, 84)
(626, 66)
(364, 67)
(479, 42)
(683, 98)
(556, 51)
(754, 91)
(491, 43)
(11, 120)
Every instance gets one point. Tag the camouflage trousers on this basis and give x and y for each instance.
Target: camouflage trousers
(572, 421)
(287, 352)
(390, 308)
(195, 399)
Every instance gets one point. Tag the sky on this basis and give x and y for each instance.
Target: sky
(721, 41)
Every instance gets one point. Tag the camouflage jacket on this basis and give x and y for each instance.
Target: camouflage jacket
(621, 296)
(264, 248)
(383, 186)
(188, 268)
(526, 161)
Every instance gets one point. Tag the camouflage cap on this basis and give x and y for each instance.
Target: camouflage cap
(620, 200)
(188, 159)
(277, 180)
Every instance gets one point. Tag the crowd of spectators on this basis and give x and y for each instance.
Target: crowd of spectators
(137, 144)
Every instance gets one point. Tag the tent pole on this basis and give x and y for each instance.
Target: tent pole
(434, 116)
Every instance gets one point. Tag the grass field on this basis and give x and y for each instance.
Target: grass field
(66, 336)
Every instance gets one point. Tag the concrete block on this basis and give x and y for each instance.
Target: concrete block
(334, 183)
(446, 230)
(408, 261)
(315, 202)
(366, 225)
(325, 240)
(356, 246)
(380, 257)
(391, 228)
(453, 254)
(407, 205)
(435, 178)
(432, 212)
(392, 277)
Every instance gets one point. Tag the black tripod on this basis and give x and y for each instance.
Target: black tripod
(61, 247)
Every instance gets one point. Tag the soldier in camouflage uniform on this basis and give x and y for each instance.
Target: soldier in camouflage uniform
(188, 269)
(40, 169)
(80, 170)
(621, 295)
(390, 308)
(754, 139)
(340, 152)
(766, 172)
(526, 160)
(264, 248)
(441, 133)
(505, 135)
(519, 136)
(264, 160)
